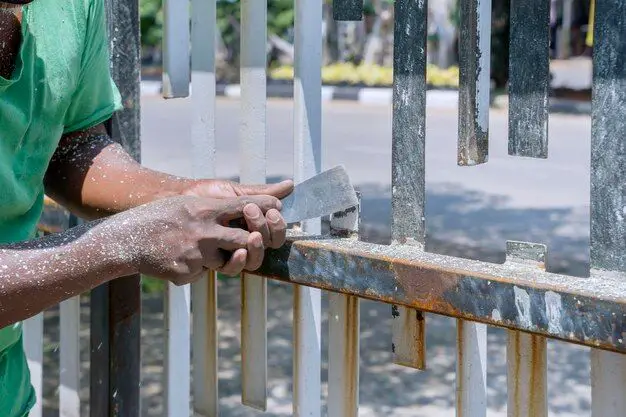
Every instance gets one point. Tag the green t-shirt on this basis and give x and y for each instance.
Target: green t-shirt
(61, 84)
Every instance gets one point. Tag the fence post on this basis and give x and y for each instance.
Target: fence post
(253, 154)
(527, 353)
(204, 292)
(608, 196)
(307, 163)
(343, 333)
(408, 163)
(33, 348)
(116, 306)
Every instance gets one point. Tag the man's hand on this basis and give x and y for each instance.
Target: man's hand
(271, 226)
(179, 238)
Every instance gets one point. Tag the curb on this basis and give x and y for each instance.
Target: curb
(555, 105)
(442, 99)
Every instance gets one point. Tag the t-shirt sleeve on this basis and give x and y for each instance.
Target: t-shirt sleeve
(96, 97)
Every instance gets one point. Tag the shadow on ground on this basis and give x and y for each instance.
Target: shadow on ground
(460, 223)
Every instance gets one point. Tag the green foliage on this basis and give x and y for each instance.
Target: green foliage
(280, 18)
(151, 19)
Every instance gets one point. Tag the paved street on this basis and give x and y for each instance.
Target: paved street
(470, 212)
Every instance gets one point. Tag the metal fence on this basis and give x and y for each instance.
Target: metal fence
(519, 295)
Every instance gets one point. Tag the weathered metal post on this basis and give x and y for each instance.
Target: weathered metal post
(608, 187)
(116, 307)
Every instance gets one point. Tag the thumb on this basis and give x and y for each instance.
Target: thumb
(278, 190)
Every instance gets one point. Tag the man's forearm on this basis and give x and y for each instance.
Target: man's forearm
(94, 177)
(40, 273)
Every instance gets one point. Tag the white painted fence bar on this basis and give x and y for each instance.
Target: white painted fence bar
(177, 369)
(69, 390)
(343, 334)
(176, 81)
(253, 155)
(204, 292)
(307, 163)
(176, 54)
(32, 338)
(527, 370)
(471, 369)
(527, 386)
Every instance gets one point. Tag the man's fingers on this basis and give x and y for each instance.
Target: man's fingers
(279, 190)
(257, 222)
(256, 251)
(230, 238)
(277, 227)
(233, 208)
(236, 263)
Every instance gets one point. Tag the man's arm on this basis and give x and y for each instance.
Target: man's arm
(176, 239)
(40, 273)
(93, 176)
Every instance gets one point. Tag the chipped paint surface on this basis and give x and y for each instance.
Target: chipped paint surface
(474, 82)
(593, 308)
(522, 303)
(529, 78)
(553, 311)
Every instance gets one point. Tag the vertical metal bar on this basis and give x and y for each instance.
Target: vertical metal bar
(474, 82)
(608, 138)
(471, 371)
(408, 161)
(527, 376)
(69, 399)
(204, 292)
(347, 10)
(565, 39)
(343, 341)
(253, 151)
(608, 379)
(176, 51)
(529, 80)
(32, 339)
(116, 307)
(608, 190)
(307, 163)
(177, 349)
(100, 352)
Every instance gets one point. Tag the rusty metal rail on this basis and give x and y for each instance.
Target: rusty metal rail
(584, 310)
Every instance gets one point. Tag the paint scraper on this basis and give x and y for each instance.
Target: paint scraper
(321, 195)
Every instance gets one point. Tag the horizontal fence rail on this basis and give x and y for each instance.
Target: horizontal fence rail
(585, 310)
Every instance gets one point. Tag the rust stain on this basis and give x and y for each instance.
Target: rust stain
(459, 368)
(351, 356)
(420, 341)
(515, 378)
(537, 397)
(429, 288)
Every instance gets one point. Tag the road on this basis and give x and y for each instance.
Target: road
(474, 207)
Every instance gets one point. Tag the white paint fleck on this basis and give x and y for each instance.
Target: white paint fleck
(495, 315)
(553, 311)
(522, 303)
